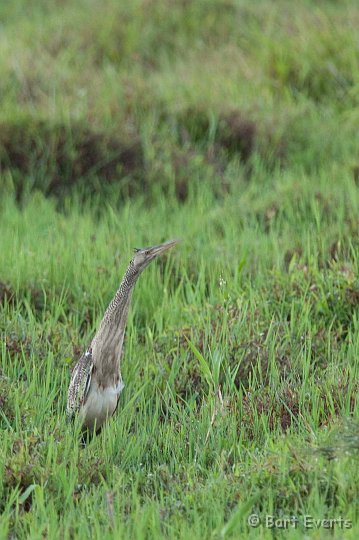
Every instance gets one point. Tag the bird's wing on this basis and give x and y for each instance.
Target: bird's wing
(79, 384)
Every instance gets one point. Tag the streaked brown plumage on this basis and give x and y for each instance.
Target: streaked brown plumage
(96, 379)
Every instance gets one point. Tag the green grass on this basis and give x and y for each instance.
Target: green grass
(230, 125)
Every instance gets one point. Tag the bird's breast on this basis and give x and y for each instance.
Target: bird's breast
(100, 404)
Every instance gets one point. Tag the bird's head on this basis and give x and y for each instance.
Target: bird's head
(144, 256)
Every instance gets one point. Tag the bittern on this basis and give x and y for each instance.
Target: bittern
(96, 381)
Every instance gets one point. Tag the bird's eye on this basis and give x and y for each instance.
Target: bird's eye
(147, 252)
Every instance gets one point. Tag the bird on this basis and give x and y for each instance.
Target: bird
(96, 381)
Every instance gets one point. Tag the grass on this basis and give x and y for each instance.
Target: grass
(234, 127)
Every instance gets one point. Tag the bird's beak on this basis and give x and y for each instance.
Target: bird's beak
(161, 248)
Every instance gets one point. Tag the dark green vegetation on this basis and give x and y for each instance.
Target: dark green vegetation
(233, 125)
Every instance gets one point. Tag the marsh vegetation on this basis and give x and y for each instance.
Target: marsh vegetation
(234, 126)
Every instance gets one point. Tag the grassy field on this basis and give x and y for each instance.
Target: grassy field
(232, 125)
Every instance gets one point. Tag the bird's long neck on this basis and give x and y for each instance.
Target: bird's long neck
(108, 340)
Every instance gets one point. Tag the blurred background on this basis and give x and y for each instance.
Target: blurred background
(155, 98)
